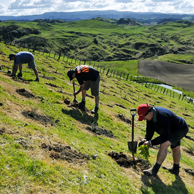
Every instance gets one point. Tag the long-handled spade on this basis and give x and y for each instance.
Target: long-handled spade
(132, 145)
(74, 101)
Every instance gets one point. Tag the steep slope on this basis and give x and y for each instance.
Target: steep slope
(49, 146)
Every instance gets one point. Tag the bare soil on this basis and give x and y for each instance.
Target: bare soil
(179, 75)
(127, 161)
(138, 165)
(100, 131)
(47, 77)
(65, 152)
(45, 120)
(123, 118)
(189, 171)
(189, 137)
(25, 93)
(52, 85)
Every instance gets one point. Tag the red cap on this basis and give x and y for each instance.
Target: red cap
(142, 110)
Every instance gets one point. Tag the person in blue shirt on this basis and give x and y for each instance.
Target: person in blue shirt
(19, 59)
(87, 77)
(171, 129)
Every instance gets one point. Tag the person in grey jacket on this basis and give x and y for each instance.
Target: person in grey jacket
(171, 129)
(19, 59)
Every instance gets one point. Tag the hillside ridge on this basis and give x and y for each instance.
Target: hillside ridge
(144, 17)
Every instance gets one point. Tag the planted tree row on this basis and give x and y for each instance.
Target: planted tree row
(61, 55)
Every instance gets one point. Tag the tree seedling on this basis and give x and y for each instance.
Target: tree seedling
(144, 151)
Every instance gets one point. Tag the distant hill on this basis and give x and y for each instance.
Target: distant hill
(120, 22)
(142, 17)
(101, 39)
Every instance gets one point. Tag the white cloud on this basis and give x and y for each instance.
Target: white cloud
(29, 7)
(162, 1)
(26, 4)
(2, 9)
(70, 1)
(1, 6)
(84, 5)
(123, 1)
(185, 6)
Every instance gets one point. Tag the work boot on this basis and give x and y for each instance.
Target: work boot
(95, 110)
(13, 76)
(81, 105)
(151, 171)
(172, 170)
(19, 75)
(37, 80)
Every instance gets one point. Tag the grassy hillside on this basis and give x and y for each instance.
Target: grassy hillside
(115, 42)
(50, 146)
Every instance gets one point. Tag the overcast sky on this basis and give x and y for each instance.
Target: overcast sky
(33, 7)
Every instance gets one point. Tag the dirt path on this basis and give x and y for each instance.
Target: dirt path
(179, 75)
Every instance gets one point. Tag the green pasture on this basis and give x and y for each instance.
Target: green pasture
(27, 168)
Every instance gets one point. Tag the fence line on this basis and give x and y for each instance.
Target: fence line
(109, 72)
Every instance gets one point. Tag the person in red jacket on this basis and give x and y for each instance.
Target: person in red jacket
(87, 77)
(171, 129)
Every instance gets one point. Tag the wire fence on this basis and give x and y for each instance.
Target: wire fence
(59, 55)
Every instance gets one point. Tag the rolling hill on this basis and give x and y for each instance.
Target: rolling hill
(107, 40)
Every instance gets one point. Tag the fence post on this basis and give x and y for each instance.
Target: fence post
(34, 48)
(183, 96)
(124, 76)
(107, 72)
(127, 76)
(59, 55)
(103, 70)
(120, 75)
